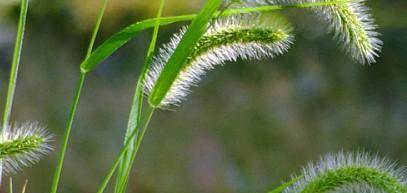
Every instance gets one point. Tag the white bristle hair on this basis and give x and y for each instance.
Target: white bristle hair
(216, 56)
(350, 21)
(334, 161)
(14, 163)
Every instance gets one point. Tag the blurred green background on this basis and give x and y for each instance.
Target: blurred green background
(249, 125)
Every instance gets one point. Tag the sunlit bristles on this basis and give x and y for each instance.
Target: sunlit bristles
(23, 145)
(350, 22)
(354, 28)
(351, 172)
(227, 39)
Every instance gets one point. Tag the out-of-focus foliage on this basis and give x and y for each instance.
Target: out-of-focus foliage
(245, 129)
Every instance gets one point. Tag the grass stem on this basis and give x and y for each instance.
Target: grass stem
(136, 111)
(75, 102)
(72, 112)
(144, 124)
(14, 69)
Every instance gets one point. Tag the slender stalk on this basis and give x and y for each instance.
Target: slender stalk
(72, 112)
(24, 186)
(75, 102)
(145, 123)
(264, 8)
(14, 69)
(136, 110)
(97, 27)
(11, 185)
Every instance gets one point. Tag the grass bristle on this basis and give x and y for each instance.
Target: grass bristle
(227, 39)
(23, 145)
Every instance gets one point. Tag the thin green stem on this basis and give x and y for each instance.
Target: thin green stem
(145, 123)
(287, 6)
(97, 27)
(136, 111)
(15, 63)
(265, 8)
(23, 190)
(75, 102)
(14, 69)
(10, 186)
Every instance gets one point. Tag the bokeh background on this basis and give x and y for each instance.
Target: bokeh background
(249, 125)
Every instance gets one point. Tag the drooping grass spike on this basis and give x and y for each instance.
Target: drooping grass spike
(227, 39)
(351, 172)
(23, 145)
(353, 26)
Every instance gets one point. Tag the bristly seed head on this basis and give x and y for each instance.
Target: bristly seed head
(23, 145)
(227, 39)
(351, 172)
(349, 20)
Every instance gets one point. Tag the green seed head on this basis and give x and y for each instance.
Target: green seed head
(353, 27)
(227, 39)
(348, 172)
(23, 145)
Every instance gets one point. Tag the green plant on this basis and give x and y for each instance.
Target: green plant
(349, 172)
(23, 189)
(23, 145)
(20, 145)
(246, 36)
(213, 37)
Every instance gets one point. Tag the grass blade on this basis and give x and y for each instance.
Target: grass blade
(136, 111)
(120, 38)
(74, 106)
(285, 185)
(181, 53)
(144, 124)
(14, 69)
(23, 190)
(10, 186)
(116, 41)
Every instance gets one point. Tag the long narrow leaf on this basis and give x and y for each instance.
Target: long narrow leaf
(136, 111)
(285, 185)
(181, 53)
(120, 38)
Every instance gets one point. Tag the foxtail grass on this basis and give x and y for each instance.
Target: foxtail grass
(227, 39)
(22, 145)
(14, 70)
(215, 36)
(350, 172)
(74, 106)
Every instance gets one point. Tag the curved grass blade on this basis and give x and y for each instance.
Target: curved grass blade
(135, 113)
(181, 53)
(108, 47)
(285, 185)
(120, 38)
